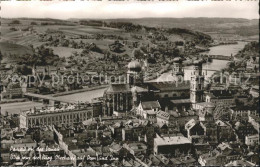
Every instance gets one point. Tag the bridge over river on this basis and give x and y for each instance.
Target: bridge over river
(48, 99)
(221, 57)
(204, 69)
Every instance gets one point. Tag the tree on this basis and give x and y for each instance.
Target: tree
(137, 54)
(33, 23)
(231, 64)
(63, 60)
(15, 22)
(1, 56)
(176, 52)
(255, 69)
(41, 56)
(117, 47)
(13, 29)
(75, 54)
(85, 52)
(23, 69)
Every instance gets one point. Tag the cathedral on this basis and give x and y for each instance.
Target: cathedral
(119, 99)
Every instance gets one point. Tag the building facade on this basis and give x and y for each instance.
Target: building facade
(197, 83)
(174, 145)
(52, 116)
(123, 97)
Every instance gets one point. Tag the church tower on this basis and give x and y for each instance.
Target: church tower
(134, 73)
(177, 67)
(196, 83)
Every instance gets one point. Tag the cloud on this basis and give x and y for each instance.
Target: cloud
(129, 9)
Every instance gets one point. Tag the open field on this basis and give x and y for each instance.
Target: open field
(11, 48)
(27, 38)
(82, 30)
(28, 31)
(202, 24)
(65, 52)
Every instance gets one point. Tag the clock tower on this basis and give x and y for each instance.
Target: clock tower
(197, 83)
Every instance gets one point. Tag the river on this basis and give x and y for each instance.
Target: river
(208, 68)
(226, 50)
(84, 96)
(15, 108)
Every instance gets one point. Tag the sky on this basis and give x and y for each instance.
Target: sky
(129, 9)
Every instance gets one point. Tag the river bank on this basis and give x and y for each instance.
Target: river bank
(226, 50)
(79, 90)
(208, 68)
(13, 100)
(56, 94)
(223, 43)
(87, 94)
(17, 107)
(84, 96)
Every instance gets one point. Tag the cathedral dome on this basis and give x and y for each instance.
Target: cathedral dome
(134, 66)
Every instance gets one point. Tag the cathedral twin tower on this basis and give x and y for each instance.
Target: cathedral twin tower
(121, 98)
(134, 76)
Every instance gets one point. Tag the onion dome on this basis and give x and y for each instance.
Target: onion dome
(134, 66)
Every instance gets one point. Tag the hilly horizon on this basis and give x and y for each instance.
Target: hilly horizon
(241, 26)
(225, 18)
